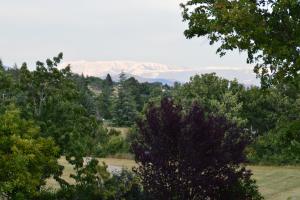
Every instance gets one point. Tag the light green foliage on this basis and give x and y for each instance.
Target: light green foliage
(262, 111)
(219, 95)
(230, 107)
(277, 182)
(26, 159)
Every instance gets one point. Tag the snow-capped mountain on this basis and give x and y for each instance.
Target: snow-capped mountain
(155, 72)
(100, 68)
(149, 80)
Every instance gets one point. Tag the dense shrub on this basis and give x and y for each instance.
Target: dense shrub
(191, 156)
(280, 146)
(116, 144)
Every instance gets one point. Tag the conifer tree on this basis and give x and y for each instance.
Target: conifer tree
(124, 107)
(109, 80)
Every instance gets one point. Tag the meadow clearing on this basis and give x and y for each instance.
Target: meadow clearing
(275, 182)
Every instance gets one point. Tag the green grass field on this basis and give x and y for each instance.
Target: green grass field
(275, 183)
(278, 183)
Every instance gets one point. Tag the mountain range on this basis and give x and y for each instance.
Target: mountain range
(155, 72)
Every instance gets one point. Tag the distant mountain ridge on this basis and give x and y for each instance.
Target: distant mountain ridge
(98, 68)
(149, 80)
(143, 72)
(155, 72)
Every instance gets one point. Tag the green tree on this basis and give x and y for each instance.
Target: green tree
(279, 146)
(104, 103)
(267, 30)
(6, 86)
(220, 96)
(264, 108)
(124, 107)
(109, 80)
(134, 87)
(63, 107)
(26, 159)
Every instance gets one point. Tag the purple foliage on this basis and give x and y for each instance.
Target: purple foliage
(191, 156)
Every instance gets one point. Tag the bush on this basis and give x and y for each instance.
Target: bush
(191, 156)
(93, 185)
(114, 145)
(279, 146)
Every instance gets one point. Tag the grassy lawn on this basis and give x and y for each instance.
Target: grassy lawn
(276, 183)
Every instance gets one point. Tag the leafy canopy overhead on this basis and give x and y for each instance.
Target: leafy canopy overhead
(267, 29)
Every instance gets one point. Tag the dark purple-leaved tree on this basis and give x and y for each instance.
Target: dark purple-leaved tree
(191, 155)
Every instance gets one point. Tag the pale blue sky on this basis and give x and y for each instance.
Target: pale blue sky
(137, 30)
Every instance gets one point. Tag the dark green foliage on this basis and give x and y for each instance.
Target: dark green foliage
(114, 145)
(85, 95)
(102, 90)
(104, 102)
(108, 80)
(267, 30)
(63, 106)
(191, 156)
(264, 108)
(114, 100)
(6, 87)
(279, 146)
(124, 107)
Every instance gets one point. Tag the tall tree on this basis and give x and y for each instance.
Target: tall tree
(124, 107)
(191, 156)
(61, 104)
(267, 30)
(135, 89)
(104, 103)
(26, 159)
(109, 80)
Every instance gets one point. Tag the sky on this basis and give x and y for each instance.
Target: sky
(98, 30)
